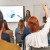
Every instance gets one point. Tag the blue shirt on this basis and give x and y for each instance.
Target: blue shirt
(24, 34)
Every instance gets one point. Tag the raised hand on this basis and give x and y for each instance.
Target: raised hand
(45, 10)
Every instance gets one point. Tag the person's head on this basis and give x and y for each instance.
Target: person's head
(28, 13)
(44, 19)
(33, 24)
(5, 25)
(21, 25)
(1, 21)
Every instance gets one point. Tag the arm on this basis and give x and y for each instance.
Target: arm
(45, 10)
(47, 25)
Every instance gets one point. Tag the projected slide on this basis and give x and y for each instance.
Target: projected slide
(12, 13)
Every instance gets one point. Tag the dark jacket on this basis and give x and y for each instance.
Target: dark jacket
(5, 37)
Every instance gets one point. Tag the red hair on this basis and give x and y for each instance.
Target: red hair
(33, 24)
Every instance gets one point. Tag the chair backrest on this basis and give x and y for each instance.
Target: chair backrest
(45, 48)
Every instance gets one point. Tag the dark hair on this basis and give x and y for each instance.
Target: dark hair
(28, 12)
(27, 15)
(44, 19)
(6, 25)
(1, 19)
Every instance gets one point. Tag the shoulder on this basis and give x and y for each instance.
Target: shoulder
(26, 28)
(5, 34)
(29, 36)
(9, 31)
(9, 46)
(32, 34)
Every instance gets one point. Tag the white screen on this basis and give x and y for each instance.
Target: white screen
(12, 13)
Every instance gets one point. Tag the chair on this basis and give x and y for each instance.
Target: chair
(45, 48)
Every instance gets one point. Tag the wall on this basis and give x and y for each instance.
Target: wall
(29, 4)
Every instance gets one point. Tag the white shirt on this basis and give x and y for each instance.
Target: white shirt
(38, 39)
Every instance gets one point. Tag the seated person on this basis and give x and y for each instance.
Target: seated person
(4, 45)
(6, 30)
(21, 31)
(38, 38)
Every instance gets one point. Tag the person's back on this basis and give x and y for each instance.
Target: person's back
(18, 36)
(8, 46)
(7, 30)
(5, 37)
(25, 33)
(21, 32)
(10, 32)
(48, 34)
(21, 37)
(39, 38)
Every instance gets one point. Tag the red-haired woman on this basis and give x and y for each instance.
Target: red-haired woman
(33, 24)
(38, 38)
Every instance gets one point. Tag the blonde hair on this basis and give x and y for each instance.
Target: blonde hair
(21, 26)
